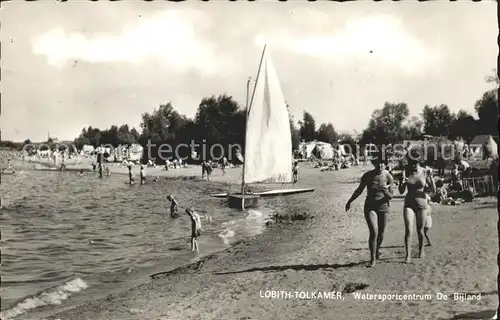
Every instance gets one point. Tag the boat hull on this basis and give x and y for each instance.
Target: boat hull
(247, 201)
(270, 193)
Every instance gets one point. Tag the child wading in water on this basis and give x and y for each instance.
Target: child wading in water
(195, 227)
(174, 206)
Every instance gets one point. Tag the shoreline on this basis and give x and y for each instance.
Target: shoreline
(327, 253)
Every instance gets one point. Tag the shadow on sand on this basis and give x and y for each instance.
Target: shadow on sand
(297, 267)
(487, 314)
(387, 247)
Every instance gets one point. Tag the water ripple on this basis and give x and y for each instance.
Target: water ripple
(62, 233)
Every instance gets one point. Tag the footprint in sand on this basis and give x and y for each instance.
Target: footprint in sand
(351, 287)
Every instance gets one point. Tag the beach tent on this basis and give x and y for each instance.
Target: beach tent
(307, 148)
(135, 152)
(87, 149)
(484, 145)
(325, 150)
(42, 153)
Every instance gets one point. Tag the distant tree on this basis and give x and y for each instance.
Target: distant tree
(493, 78)
(109, 136)
(160, 127)
(7, 144)
(437, 120)
(293, 130)
(386, 124)
(135, 134)
(412, 129)
(220, 120)
(464, 126)
(487, 111)
(124, 136)
(162, 124)
(307, 127)
(350, 140)
(327, 133)
(94, 136)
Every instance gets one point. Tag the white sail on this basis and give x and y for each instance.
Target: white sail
(268, 144)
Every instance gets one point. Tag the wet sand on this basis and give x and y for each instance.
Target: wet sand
(327, 253)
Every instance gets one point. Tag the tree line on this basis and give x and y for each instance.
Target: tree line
(221, 120)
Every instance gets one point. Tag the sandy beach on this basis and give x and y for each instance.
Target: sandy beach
(327, 253)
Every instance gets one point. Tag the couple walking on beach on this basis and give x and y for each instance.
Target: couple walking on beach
(416, 180)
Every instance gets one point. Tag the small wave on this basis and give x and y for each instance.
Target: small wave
(50, 297)
(226, 234)
(254, 214)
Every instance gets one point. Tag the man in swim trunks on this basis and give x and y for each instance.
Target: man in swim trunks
(195, 228)
(378, 183)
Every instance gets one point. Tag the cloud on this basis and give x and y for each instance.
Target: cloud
(381, 39)
(170, 38)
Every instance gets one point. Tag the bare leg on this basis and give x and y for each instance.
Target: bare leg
(429, 244)
(193, 243)
(382, 222)
(420, 216)
(408, 216)
(371, 220)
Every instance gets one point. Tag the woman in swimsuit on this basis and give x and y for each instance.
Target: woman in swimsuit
(416, 205)
(378, 182)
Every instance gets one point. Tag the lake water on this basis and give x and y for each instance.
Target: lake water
(66, 239)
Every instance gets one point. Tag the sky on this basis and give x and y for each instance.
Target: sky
(69, 65)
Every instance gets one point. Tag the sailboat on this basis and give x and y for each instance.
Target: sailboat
(268, 142)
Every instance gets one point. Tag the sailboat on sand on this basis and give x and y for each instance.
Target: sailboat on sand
(268, 142)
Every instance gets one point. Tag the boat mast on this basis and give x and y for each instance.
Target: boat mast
(246, 118)
(247, 112)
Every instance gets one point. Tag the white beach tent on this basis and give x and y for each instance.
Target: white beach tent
(483, 145)
(87, 149)
(135, 152)
(307, 148)
(325, 150)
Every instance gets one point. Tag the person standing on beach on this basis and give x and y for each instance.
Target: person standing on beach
(379, 186)
(195, 228)
(100, 170)
(143, 175)
(295, 171)
(223, 165)
(208, 169)
(130, 178)
(203, 169)
(415, 180)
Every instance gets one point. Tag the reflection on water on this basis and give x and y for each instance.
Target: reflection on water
(64, 235)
